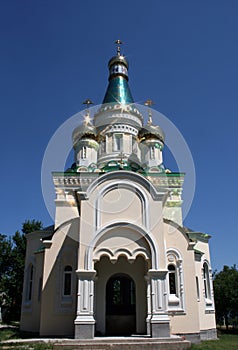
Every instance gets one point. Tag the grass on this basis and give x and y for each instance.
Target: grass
(7, 333)
(12, 333)
(225, 342)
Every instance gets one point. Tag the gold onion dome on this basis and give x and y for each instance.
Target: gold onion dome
(151, 132)
(84, 131)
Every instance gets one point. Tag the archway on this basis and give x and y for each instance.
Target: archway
(120, 296)
(120, 305)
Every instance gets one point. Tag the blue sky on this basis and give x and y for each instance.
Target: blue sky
(183, 55)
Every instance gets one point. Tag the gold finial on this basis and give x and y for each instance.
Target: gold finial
(88, 102)
(149, 103)
(118, 42)
(87, 119)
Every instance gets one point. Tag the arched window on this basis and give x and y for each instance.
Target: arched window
(67, 287)
(29, 282)
(175, 282)
(206, 281)
(172, 279)
(207, 285)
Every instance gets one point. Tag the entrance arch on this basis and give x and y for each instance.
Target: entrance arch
(129, 306)
(120, 305)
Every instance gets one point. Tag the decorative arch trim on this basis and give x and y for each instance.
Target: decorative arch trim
(135, 178)
(123, 184)
(114, 255)
(89, 254)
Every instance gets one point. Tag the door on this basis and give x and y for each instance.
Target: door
(120, 305)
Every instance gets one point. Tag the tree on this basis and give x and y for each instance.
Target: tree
(226, 295)
(5, 271)
(12, 261)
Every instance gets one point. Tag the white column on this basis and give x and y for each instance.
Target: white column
(85, 322)
(160, 323)
(148, 318)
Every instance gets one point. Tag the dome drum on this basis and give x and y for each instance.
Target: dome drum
(151, 142)
(86, 142)
(114, 114)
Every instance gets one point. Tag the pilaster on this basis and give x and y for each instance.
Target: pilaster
(159, 323)
(85, 322)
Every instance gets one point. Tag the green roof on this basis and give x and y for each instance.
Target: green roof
(118, 91)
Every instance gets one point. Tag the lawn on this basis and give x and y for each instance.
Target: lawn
(225, 342)
(11, 333)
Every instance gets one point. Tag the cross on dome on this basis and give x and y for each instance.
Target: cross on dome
(118, 42)
(149, 103)
(87, 119)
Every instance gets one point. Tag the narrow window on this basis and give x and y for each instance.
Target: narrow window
(83, 152)
(197, 286)
(30, 283)
(103, 147)
(134, 146)
(117, 142)
(39, 288)
(152, 152)
(172, 279)
(67, 280)
(206, 281)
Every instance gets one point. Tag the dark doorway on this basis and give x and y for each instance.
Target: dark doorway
(120, 305)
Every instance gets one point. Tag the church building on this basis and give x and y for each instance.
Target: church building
(118, 260)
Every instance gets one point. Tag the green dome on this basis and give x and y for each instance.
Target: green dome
(118, 90)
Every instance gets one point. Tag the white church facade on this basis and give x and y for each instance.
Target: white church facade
(118, 261)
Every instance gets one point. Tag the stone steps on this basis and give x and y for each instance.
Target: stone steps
(107, 343)
(125, 344)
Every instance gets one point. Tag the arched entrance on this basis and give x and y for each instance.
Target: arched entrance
(120, 305)
(120, 296)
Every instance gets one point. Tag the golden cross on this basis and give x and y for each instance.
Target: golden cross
(118, 42)
(87, 119)
(149, 103)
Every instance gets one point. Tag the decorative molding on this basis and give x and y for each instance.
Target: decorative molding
(114, 254)
(123, 184)
(154, 253)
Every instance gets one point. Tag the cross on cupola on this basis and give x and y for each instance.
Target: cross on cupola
(118, 42)
(87, 119)
(149, 103)
(118, 90)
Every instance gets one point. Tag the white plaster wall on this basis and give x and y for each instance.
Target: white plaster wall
(207, 318)
(189, 321)
(121, 204)
(30, 313)
(66, 209)
(173, 213)
(57, 313)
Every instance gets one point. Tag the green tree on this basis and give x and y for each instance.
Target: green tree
(12, 261)
(226, 295)
(5, 271)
